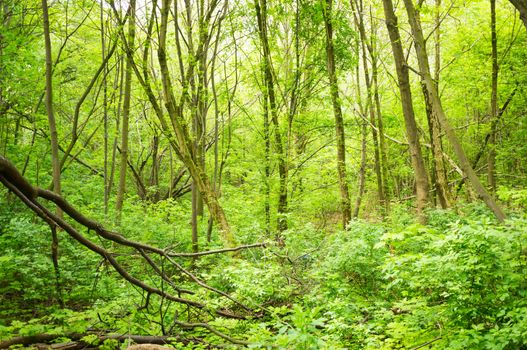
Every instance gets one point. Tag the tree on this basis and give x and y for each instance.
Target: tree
(345, 202)
(491, 159)
(424, 68)
(121, 189)
(55, 160)
(270, 103)
(521, 6)
(401, 67)
(176, 128)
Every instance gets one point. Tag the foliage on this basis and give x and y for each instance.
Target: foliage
(384, 282)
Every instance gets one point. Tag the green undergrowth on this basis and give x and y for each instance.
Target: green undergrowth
(457, 283)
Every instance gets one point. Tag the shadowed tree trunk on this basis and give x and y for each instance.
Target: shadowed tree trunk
(359, 22)
(345, 202)
(121, 189)
(55, 161)
(438, 171)
(378, 112)
(270, 95)
(421, 178)
(424, 67)
(491, 160)
(521, 6)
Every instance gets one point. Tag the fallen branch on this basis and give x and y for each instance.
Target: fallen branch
(77, 337)
(217, 251)
(28, 194)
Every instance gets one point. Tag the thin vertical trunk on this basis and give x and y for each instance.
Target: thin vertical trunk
(269, 93)
(439, 178)
(362, 170)
(267, 170)
(339, 121)
(359, 22)
(439, 174)
(378, 112)
(105, 113)
(421, 178)
(4, 20)
(154, 173)
(55, 161)
(194, 217)
(215, 177)
(118, 86)
(382, 144)
(126, 113)
(491, 172)
(422, 57)
(179, 138)
(49, 102)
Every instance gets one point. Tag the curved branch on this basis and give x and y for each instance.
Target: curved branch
(16, 183)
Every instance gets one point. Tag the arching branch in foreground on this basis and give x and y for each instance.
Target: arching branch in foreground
(29, 195)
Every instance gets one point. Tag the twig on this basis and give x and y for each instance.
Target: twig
(427, 343)
(217, 251)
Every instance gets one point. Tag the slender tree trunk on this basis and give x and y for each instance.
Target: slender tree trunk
(438, 165)
(267, 166)
(438, 171)
(126, 113)
(269, 93)
(382, 144)
(422, 57)
(491, 172)
(105, 112)
(55, 160)
(339, 121)
(362, 170)
(179, 137)
(421, 178)
(118, 87)
(359, 22)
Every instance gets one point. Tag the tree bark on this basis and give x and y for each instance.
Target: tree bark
(178, 133)
(491, 159)
(55, 160)
(421, 179)
(121, 189)
(345, 202)
(422, 57)
(521, 6)
(105, 111)
(439, 178)
(270, 94)
(380, 125)
(440, 175)
(359, 22)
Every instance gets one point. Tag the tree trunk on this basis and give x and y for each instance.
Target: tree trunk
(382, 145)
(345, 202)
(362, 170)
(359, 22)
(126, 113)
(421, 178)
(439, 169)
(178, 133)
(422, 57)
(439, 178)
(269, 93)
(55, 161)
(491, 160)
(521, 6)
(105, 112)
